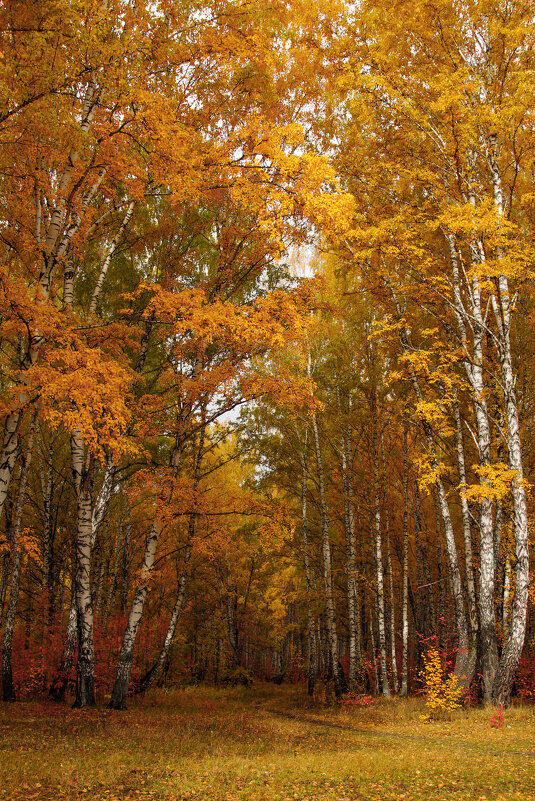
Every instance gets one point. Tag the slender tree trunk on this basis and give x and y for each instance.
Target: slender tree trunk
(464, 661)
(126, 655)
(99, 593)
(487, 619)
(150, 677)
(428, 612)
(61, 229)
(4, 576)
(385, 687)
(374, 652)
(390, 576)
(485, 628)
(512, 650)
(85, 671)
(59, 683)
(312, 669)
(47, 486)
(330, 611)
(107, 260)
(125, 572)
(8, 689)
(501, 300)
(467, 530)
(113, 581)
(355, 645)
(405, 572)
(163, 657)
(8, 455)
(231, 603)
(506, 601)
(58, 686)
(83, 474)
(6, 556)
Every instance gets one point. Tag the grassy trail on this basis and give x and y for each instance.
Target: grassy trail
(263, 744)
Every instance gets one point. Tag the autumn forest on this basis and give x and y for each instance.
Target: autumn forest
(266, 354)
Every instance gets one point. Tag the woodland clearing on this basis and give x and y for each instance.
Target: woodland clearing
(263, 743)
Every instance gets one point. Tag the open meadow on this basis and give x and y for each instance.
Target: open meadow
(265, 744)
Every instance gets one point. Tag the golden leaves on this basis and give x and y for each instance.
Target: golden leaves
(495, 481)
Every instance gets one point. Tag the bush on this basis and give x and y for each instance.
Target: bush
(238, 678)
(351, 701)
(442, 692)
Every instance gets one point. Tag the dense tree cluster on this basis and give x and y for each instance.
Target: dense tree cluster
(320, 215)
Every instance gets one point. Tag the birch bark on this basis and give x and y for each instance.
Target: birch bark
(355, 643)
(381, 628)
(8, 689)
(330, 611)
(474, 369)
(405, 571)
(151, 675)
(83, 473)
(56, 242)
(126, 655)
(512, 650)
(312, 669)
(464, 663)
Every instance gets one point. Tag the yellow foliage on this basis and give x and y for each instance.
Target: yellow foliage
(495, 482)
(443, 694)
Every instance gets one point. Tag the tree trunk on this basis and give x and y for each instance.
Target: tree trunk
(126, 655)
(150, 677)
(355, 644)
(107, 260)
(6, 556)
(467, 531)
(125, 566)
(464, 663)
(312, 668)
(58, 686)
(113, 581)
(59, 234)
(163, 658)
(405, 572)
(8, 689)
(330, 612)
(390, 576)
(85, 671)
(380, 597)
(512, 650)
(47, 486)
(488, 646)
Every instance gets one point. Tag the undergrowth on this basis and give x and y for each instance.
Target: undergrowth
(263, 743)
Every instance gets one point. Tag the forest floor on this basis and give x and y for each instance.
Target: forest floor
(263, 744)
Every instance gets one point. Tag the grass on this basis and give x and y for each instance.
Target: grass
(263, 744)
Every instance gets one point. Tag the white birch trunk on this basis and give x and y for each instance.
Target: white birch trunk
(330, 611)
(312, 669)
(126, 655)
(150, 677)
(381, 628)
(467, 530)
(512, 650)
(55, 245)
(465, 655)
(355, 644)
(83, 482)
(8, 689)
(405, 572)
(107, 260)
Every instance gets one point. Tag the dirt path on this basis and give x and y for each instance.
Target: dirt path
(309, 721)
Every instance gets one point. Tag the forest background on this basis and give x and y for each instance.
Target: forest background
(322, 215)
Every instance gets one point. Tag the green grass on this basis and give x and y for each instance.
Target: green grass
(262, 744)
